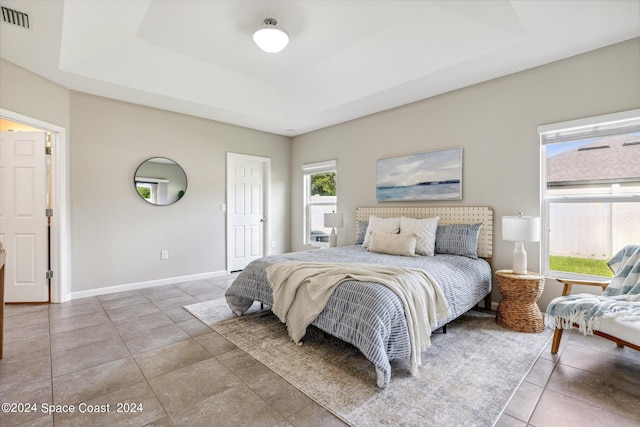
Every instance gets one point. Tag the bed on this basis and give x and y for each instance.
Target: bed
(369, 315)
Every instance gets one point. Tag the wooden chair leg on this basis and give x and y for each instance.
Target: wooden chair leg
(557, 334)
(555, 344)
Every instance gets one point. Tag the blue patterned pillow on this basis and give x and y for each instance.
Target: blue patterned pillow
(362, 232)
(458, 239)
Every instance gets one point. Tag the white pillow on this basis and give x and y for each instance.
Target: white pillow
(425, 232)
(393, 244)
(385, 225)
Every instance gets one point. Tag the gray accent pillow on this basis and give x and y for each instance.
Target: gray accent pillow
(458, 239)
(362, 232)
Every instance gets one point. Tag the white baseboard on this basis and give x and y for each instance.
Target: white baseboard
(142, 285)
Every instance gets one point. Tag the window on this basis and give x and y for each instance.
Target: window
(144, 189)
(590, 193)
(319, 198)
(153, 190)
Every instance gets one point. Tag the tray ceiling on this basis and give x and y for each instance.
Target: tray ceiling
(346, 59)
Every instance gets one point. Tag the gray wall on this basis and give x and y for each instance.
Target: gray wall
(31, 95)
(117, 237)
(495, 122)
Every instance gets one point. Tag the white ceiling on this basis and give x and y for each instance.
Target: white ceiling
(346, 59)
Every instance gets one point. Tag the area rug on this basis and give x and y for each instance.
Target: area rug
(467, 378)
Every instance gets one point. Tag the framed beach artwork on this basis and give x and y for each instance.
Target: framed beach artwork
(433, 175)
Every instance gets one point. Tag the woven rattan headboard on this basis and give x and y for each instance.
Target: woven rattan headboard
(448, 215)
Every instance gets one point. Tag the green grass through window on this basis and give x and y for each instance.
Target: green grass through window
(594, 267)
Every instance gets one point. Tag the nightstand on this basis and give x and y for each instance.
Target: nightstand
(518, 309)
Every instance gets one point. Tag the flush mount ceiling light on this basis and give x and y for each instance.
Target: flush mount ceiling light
(271, 38)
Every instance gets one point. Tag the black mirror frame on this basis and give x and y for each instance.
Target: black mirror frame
(181, 193)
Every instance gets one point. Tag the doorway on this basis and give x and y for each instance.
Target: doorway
(55, 267)
(247, 209)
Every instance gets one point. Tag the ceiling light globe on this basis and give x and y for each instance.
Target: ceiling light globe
(271, 38)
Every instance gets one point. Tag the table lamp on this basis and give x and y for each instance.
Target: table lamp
(333, 220)
(520, 229)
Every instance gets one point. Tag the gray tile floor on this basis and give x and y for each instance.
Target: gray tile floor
(590, 382)
(140, 352)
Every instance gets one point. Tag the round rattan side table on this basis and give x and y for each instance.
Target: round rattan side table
(518, 309)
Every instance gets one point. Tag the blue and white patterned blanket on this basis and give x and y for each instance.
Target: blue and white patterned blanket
(369, 315)
(620, 299)
(626, 267)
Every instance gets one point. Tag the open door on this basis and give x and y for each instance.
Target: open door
(23, 215)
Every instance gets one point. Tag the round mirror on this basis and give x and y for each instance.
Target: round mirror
(160, 181)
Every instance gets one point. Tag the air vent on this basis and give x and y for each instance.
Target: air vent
(14, 17)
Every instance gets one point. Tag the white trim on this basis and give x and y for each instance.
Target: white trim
(151, 180)
(266, 188)
(309, 169)
(574, 130)
(590, 121)
(148, 284)
(592, 127)
(60, 230)
(319, 167)
(614, 198)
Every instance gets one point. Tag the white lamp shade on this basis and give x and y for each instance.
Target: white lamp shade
(333, 220)
(521, 228)
(270, 38)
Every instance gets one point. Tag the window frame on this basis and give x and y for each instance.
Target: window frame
(575, 130)
(308, 170)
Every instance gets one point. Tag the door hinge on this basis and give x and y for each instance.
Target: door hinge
(49, 274)
(48, 212)
(47, 151)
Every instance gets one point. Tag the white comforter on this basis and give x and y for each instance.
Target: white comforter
(302, 289)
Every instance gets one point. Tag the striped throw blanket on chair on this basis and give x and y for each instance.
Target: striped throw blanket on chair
(620, 299)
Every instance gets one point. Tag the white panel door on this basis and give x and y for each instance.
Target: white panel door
(23, 220)
(246, 204)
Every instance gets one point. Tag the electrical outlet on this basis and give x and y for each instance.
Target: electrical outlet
(164, 254)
